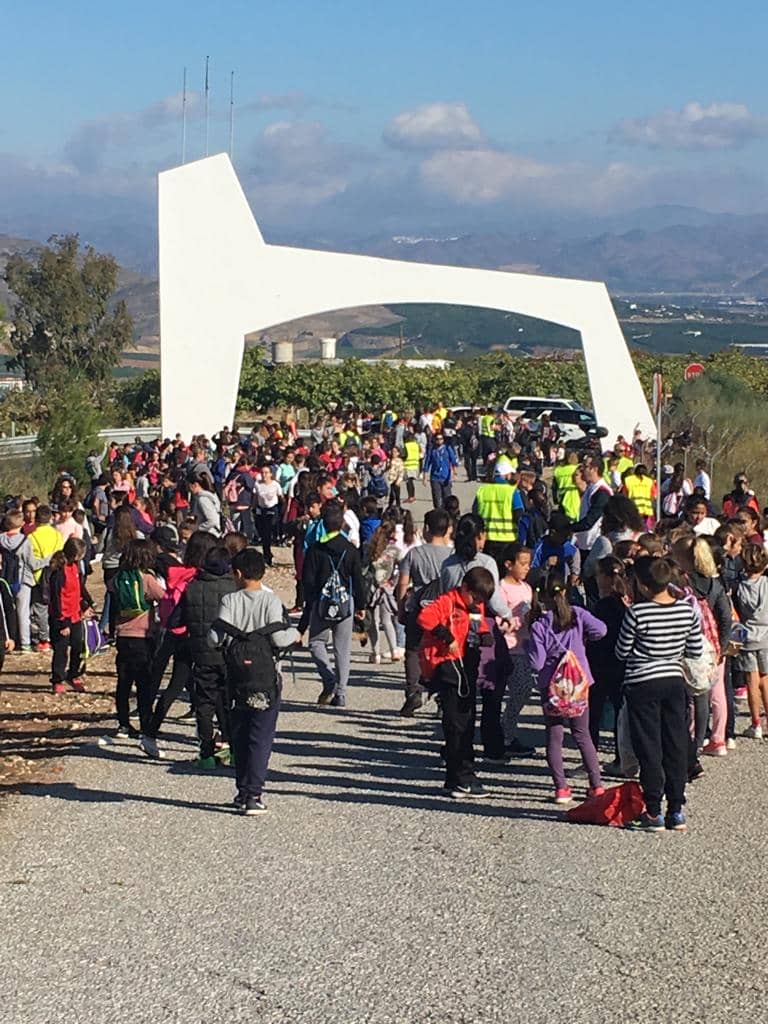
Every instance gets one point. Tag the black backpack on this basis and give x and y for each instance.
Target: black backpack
(11, 567)
(250, 663)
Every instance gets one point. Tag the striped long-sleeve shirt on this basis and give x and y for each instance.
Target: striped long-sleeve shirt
(654, 639)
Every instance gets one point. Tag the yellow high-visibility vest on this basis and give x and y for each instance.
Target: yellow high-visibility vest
(494, 505)
(412, 457)
(567, 491)
(640, 490)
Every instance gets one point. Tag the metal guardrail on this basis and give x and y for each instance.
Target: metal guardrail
(26, 445)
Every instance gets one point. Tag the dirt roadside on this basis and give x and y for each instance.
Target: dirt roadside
(38, 730)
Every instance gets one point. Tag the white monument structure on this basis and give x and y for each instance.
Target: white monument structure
(219, 280)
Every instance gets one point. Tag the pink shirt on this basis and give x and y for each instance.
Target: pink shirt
(519, 597)
(70, 528)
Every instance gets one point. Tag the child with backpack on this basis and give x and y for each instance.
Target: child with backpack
(18, 570)
(175, 644)
(252, 627)
(135, 589)
(377, 486)
(751, 601)
(557, 653)
(455, 628)
(334, 597)
(69, 601)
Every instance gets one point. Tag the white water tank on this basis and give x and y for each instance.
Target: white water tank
(327, 348)
(282, 351)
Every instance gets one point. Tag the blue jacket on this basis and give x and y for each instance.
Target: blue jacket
(438, 463)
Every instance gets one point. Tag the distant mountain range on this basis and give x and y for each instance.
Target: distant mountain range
(667, 249)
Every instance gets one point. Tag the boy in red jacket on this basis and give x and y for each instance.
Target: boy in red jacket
(69, 602)
(454, 629)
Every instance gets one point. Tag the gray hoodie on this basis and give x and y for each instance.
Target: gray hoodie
(751, 602)
(28, 564)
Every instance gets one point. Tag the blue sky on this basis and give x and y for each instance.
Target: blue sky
(379, 116)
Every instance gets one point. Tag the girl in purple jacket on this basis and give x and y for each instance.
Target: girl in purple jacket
(559, 629)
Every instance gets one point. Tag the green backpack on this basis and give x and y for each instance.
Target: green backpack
(129, 594)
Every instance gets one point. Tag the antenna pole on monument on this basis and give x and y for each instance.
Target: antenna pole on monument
(184, 118)
(231, 114)
(206, 105)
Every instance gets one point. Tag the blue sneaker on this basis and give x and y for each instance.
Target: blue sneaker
(647, 823)
(676, 822)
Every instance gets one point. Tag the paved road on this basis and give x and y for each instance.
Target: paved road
(130, 892)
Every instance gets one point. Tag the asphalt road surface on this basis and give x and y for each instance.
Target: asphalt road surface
(129, 891)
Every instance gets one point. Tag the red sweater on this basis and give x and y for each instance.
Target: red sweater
(449, 612)
(70, 595)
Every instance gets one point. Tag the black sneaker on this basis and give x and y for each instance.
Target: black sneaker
(517, 749)
(338, 701)
(696, 772)
(613, 770)
(238, 801)
(252, 806)
(411, 706)
(326, 696)
(473, 791)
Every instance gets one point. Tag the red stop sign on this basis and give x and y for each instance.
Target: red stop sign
(693, 370)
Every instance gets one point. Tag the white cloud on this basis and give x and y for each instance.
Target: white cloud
(480, 175)
(434, 126)
(695, 126)
(87, 147)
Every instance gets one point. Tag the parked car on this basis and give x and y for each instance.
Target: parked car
(534, 406)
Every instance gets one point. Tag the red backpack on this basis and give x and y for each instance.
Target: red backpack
(169, 607)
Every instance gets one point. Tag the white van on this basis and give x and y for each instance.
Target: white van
(534, 406)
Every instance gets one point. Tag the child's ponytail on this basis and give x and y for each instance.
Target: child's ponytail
(555, 598)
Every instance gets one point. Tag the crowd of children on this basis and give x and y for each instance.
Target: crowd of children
(644, 641)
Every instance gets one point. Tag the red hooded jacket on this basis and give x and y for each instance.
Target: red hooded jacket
(444, 620)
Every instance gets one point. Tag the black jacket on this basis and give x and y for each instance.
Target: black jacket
(200, 608)
(317, 569)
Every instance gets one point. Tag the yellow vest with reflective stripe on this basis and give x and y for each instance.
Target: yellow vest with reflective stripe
(412, 455)
(494, 505)
(486, 425)
(567, 491)
(639, 490)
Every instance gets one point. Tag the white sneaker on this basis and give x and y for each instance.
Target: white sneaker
(754, 732)
(149, 745)
(374, 659)
(730, 743)
(398, 654)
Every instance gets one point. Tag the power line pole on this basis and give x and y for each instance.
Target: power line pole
(206, 105)
(231, 114)
(184, 118)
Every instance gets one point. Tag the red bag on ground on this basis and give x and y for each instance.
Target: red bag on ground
(617, 806)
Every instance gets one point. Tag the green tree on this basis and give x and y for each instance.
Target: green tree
(139, 397)
(71, 423)
(62, 320)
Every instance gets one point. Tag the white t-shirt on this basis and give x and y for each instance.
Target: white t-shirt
(702, 480)
(708, 525)
(268, 495)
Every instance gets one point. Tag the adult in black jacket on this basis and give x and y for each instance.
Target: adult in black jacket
(199, 610)
(333, 551)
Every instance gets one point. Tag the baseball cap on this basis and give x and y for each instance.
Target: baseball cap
(165, 538)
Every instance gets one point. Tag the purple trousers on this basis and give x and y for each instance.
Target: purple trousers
(580, 731)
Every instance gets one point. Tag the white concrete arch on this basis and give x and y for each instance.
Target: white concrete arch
(219, 281)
